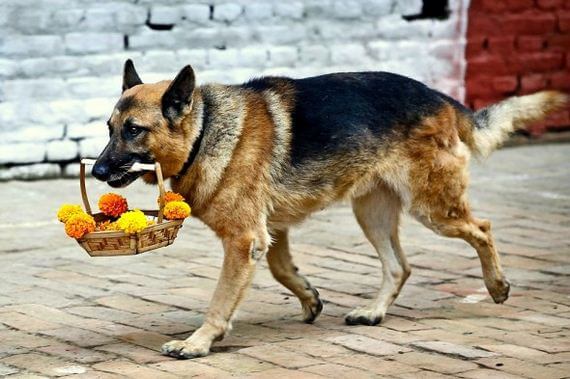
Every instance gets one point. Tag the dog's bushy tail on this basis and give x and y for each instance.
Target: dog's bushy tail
(494, 123)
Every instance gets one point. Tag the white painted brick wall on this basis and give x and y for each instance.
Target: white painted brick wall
(258, 11)
(61, 61)
(61, 150)
(196, 13)
(165, 15)
(227, 12)
(289, 9)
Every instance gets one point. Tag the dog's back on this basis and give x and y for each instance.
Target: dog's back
(338, 113)
(343, 133)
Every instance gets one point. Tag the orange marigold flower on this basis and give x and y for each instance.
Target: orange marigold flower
(176, 210)
(79, 225)
(68, 210)
(113, 205)
(171, 196)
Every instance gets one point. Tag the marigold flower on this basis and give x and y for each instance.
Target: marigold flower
(106, 226)
(176, 210)
(79, 225)
(171, 196)
(132, 221)
(112, 204)
(68, 210)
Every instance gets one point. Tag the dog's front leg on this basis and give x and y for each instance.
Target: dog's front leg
(241, 255)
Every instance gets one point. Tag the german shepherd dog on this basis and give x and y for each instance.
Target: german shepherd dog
(256, 158)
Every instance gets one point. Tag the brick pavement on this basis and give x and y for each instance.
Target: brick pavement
(65, 314)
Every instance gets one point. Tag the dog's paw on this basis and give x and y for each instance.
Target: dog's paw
(312, 309)
(183, 350)
(500, 291)
(363, 316)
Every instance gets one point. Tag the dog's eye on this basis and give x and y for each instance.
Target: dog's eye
(133, 130)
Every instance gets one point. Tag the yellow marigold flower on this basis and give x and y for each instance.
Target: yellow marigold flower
(68, 210)
(171, 196)
(107, 226)
(79, 225)
(150, 222)
(176, 210)
(112, 204)
(132, 221)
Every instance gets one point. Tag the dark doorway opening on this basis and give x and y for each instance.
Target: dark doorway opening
(431, 9)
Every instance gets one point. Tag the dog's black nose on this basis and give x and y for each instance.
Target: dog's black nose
(101, 171)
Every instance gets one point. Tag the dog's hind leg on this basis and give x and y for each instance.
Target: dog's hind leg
(285, 272)
(477, 233)
(438, 183)
(378, 214)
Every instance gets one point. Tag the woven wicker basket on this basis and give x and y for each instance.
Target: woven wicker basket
(112, 243)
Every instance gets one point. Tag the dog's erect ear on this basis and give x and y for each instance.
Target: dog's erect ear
(130, 76)
(179, 93)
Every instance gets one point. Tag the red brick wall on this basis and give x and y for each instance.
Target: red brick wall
(517, 47)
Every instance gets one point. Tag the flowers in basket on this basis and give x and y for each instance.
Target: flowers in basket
(78, 223)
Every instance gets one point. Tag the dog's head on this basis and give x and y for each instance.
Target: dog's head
(148, 124)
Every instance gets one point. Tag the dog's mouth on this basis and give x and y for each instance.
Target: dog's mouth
(125, 177)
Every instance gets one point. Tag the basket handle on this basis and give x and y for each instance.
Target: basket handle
(135, 167)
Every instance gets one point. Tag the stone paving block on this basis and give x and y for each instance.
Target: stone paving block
(520, 352)
(330, 370)
(286, 374)
(524, 368)
(131, 304)
(541, 318)
(384, 334)
(236, 363)
(368, 345)
(457, 338)
(79, 337)
(26, 323)
(424, 375)
(279, 356)
(45, 365)
(537, 342)
(380, 366)
(101, 313)
(190, 368)
(74, 353)
(167, 323)
(15, 340)
(453, 349)
(132, 370)
(7, 370)
(72, 278)
(95, 374)
(403, 325)
(437, 363)
(135, 353)
(149, 340)
(487, 374)
(313, 347)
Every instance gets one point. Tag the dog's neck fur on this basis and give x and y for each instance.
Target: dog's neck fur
(194, 128)
(220, 118)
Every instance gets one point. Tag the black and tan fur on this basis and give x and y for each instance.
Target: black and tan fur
(257, 158)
